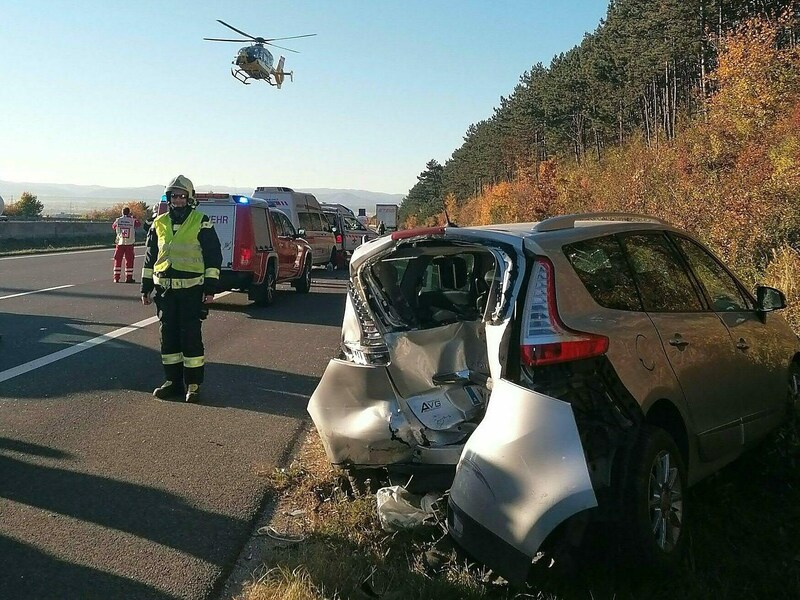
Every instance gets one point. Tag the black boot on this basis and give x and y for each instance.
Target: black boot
(193, 393)
(167, 390)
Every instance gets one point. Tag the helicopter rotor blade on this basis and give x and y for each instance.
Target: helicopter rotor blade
(293, 37)
(223, 40)
(236, 30)
(281, 47)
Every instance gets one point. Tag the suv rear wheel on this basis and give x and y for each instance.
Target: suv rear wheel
(303, 285)
(654, 499)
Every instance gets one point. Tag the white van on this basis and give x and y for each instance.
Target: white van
(306, 215)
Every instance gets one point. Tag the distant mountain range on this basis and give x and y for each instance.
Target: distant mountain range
(63, 197)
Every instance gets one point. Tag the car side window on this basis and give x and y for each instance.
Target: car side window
(288, 228)
(664, 283)
(276, 220)
(261, 233)
(330, 218)
(604, 271)
(323, 222)
(306, 223)
(726, 295)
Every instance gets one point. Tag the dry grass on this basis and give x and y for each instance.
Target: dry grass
(345, 553)
(285, 584)
(783, 272)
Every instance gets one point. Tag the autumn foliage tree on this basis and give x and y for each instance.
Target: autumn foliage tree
(139, 210)
(28, 206)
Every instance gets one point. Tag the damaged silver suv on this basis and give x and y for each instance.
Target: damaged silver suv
(585, 367)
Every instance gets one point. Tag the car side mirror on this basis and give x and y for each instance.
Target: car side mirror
(300, 233)
(769, 299)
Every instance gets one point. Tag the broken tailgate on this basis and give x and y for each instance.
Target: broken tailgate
(522, 473)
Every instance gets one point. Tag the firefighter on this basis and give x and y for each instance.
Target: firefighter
(125, 227)
(181, 264)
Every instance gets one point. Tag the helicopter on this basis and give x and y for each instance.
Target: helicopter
(255, 61)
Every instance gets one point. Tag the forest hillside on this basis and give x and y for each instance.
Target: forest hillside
(689, 111)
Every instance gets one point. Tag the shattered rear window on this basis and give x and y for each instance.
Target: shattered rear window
(429, 288)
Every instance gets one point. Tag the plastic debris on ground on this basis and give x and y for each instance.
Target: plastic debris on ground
(270, 531)
(400, 509)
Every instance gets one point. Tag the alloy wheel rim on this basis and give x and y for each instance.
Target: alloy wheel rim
(665, 501)
(270, 286)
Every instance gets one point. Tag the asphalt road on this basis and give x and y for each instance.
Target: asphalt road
(106, 492)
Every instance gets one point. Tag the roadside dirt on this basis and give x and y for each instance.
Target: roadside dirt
(282, 512)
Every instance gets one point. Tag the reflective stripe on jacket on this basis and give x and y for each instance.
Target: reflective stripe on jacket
(180, 249)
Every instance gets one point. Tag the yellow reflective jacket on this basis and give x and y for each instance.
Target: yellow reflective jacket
(180, 249)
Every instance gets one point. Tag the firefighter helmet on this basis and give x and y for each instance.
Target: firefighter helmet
(181, 184)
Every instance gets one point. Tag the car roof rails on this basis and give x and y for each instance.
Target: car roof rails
(568, 221)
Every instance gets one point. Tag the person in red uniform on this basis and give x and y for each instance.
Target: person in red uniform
(125, 226)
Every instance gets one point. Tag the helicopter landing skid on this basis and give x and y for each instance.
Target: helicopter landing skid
(240, 75)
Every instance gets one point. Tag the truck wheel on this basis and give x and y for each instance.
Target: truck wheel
(334, 260)
(303, 285)
(265, 294)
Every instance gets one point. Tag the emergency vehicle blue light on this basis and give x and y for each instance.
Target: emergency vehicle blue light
(242, 199)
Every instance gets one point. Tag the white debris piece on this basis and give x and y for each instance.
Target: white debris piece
(400, 509)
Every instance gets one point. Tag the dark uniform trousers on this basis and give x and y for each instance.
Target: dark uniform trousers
(181, 312)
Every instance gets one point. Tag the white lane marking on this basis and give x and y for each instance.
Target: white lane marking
(111, 250)
(58, 287)
(67, 352)
(285, 393)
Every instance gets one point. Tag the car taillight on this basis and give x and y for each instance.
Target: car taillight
(339, 238)
(545, 339)
(245, 254)
(372, 349)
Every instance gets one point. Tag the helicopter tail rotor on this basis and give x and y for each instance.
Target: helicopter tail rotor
(279, 74)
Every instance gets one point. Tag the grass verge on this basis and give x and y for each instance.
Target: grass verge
(744, 543)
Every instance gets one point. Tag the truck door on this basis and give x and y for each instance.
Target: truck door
(286, 246)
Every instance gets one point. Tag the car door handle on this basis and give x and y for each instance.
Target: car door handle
(678, 342)
(742, 345)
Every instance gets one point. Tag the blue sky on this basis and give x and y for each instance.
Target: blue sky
(121, 93)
